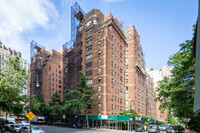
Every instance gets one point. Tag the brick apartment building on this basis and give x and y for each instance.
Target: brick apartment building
(47, 73)
(112, 60)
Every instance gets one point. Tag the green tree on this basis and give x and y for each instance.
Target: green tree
(151, 69)
(56, 104)
(38, 105)
(81, 98)
(176, 93)
(129, 112)
(171, 119)
(12, 80)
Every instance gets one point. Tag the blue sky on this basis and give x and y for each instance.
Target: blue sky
(162, 24)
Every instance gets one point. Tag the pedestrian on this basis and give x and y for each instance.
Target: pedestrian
(145, 128)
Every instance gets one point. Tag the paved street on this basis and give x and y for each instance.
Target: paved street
(54, 129)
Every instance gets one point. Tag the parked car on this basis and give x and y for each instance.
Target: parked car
(76, 125)
(154, 129)
(60, 123)
(139, 128)
(25, 123)
(172, 129)
(175, 129)
(34, 130)
(163, 128)
(14, 128)
(180, 128)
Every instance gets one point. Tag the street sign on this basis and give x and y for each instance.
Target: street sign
(30, 115)
(104, 117)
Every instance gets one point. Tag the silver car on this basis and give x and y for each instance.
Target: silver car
(154, 129)
(34, 130)
(14, 128)
(163, 128)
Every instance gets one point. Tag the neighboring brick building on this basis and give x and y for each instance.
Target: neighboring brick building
(112, 59)
(158, 75)
(47, 73)
(151, 95)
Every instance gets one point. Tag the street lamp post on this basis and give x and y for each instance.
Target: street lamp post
(37, 85)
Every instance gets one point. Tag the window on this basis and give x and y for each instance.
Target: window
(112, 89)
(112, 72)
(121, 48)
(88, 31)
(138, 57)
(99, 79)
(112, 98)
(121, 63)
(112, 46)
(126, 87)
(138, 50)
(80, 29)
(88, 65)
(99, 52)
(138, 110)
(89, 73)
(95, 22)
(99, 106)
(79, 44)
(99, 61)
(88, 40)
(79, 37)
(99, 44)
(88, 48)
(112, 55)
(126, 60)
(99, 88)
(112, 38)
(112, 63)
(126, 74)
(88, 57)
(120, 56)
(89, 82)
(99, 70)
(99, 97)
(112, 107)
(126, 53)
(129, 37)
(99, 35)
(88, 24)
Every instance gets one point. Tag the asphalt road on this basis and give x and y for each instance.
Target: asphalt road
(55, 129)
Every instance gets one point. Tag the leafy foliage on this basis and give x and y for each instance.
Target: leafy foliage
(55, 104)
(176, 93)
(129, 112)
(12, 79)
(80, 99)
(38, 105)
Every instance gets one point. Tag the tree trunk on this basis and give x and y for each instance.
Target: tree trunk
(86, 114)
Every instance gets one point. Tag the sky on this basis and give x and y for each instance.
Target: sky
(162, 24)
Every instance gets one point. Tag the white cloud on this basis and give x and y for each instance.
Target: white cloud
(19, 16)
(112, 1)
